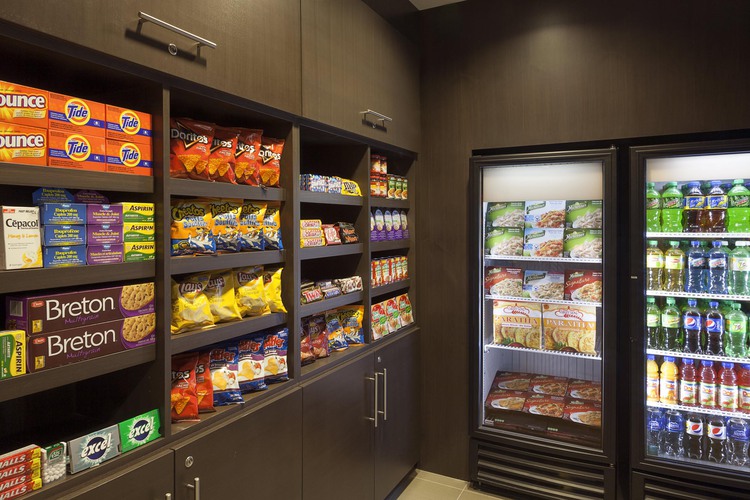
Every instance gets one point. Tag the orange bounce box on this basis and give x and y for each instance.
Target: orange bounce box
(19, 144)
(23, 105)
(80, 116)
(129, 158)
(128, 125)
(82, 152)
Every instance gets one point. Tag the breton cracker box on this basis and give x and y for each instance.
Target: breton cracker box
(21, 241)
(22, 144)
(75, 115)
(23, 105)
(38, 314)
(93, 449)
(139, 430)
(137, 212)
(62, 236)
(103, 214)
(104, 234)
(139, 252)
(129, 158)
(12, 353)
(65, 214)
(64, 347)
(78, 151)
(69, 256)
(104, 254)
(128, 125)
(138, 232)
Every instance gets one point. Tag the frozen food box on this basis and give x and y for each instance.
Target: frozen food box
(505, 400)
(137, 212)
(139, 252)
(37, 314)
(104, 234)
(65, 214)
(103, 214)
(129, 158)
(504, 241)
(505, 214)
(512, 381)
(583, 285)
(51, 195)
(542, 404)
(138, 232)
(583, 214)
(22, 144)
(93, 449)
(517, 324)
(69, 256)
(75, 115)
(552, 386)
(583, 243)
(128, 125)
(104, 254)
(543, 285)
(583, 412)
(12, 353)
(139, 430)
(544, 214)
(585, 389)
(22, 243)
(22, 105)
(570, 328)
(543, 242)
(503, 281)
(78, 151)
(61, 236)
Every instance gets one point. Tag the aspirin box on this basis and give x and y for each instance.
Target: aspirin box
(22, 241)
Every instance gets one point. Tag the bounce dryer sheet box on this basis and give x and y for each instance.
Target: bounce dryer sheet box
(12, 353)
(76, 115)
(128, 125)
(93, 449)
(21, 144)
(139, 430)
(21, 241)
(21, 105)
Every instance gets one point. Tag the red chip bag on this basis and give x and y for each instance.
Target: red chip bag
(246, 157)
(268, 160)
(189, 148)
(315, 327)
(183, 398)
(305, 349)
(204, 388)
(221, 159)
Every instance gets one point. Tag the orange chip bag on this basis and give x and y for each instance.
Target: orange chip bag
(221, 159)
(246, 157)
(204, 387)
(268, 160)
(189, 148)
(183, 398)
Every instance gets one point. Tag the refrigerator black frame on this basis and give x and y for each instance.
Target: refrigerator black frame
(607, 455)
(639, 461)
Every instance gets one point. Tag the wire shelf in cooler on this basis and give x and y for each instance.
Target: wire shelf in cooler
(697, 409)
(487, 347)
(714, 296)
(542, 259)
(709, 357)
(543, 301)
(699, 236)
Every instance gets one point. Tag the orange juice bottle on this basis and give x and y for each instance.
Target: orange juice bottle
(668, 381)
(652, 379)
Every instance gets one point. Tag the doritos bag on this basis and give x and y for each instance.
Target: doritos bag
(246, 157)
(190, 306)
(275, 351)
(224, 376)
(221, 158)
(250, 291)
(226, 224)
(183, 399)
(268, 160)
(189, 148)
(204, 388)
(220, 294)
(192, 228)
(252, 364)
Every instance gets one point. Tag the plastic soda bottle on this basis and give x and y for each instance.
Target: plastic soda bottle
(714, 218)
(708, 394)
(728, 387)
(738, 208)
(653, 323)
(688, 383)
(695, 279)
(668, 382)
(714, 330)
(654, 266)
(717, 437)
(653, 208)
(694, 436)
(652, 379)
(738, 441)
(654, 431)
(695, 201)
(743, 393)
(735, 332)
(673, 437)
(671, 208)
(739, 268)
(671, 335)
(692, 325)
(718, 264)
(674, 268)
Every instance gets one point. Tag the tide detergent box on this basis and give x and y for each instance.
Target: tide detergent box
(23, 105)
(129, 158)
(76, 115)
(82, 152)
(128, 125)
(21, 144)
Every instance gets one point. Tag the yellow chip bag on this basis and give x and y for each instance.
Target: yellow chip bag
(272, 282)
(220, 293)
(250, 291)
(192, 228)
(350, 188)
(190, 306)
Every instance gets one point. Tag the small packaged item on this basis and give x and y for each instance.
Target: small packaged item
(585, 389)
(190, 306)
(275, 346)
(139, 430)
(51, 195)
(250, 291)
(103, 214)
(544, 214)
(64, 214)
(12, 353)
(316, 328)
(139, 252)
(406, 315)
(570, 328)
(505, 214)
(331, 234)
(220, 294)
(541, 404)
(204, 387)
(543, 285)
(104, 254)
(583, 412)
(513, 381)
(350, 188)
(192, 228)
(269, 158)
(96, 234)
(272, 284)
(543, 242)
(252, 364)
(221, 156)
(310, 295)
(312, 242)
(224, 375)
(336, 338)
(505, 400)
(347, 232)
(503, 281)
(583, 285)
(93, 449)
(517, 324)
(190, 146)
(379, 320)
(135, 212)
(553, 386)
(138, 232)
(226, 215)
(53, 462)
(246, 167)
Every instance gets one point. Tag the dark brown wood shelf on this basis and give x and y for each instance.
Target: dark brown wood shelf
(13, 174)
(190, 187)
(388, 203)
(391, 287)
(324, 305)
(31, 383)
(330, 198)
(330, 251)
(197, 263)
(384, 246)
(39, 279)
(196, 339)
(323, 365)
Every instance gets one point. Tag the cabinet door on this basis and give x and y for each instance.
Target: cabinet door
(149, 478)
(337, 434)
(256, 455)
(353, 60)
(397, 435)
(258, 43)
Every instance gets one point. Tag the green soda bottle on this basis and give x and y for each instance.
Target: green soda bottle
(735, 332)
(738, 208)
(653, 208)
(671, 209)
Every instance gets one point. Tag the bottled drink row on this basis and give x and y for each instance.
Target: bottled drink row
(717, 329)
(675, 434)
(695, 207)
(698, 269)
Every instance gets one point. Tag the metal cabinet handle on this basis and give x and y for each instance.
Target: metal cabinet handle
(196, 486)
(384, 374)
(168, 496)
(375, 412)
(171, 27)
(378, 117)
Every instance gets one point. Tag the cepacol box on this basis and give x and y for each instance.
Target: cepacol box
(50, 350)
(76, 115)
(21, 144)
(82, 152)
(128, 125)
(129, 158)
(38, 314)
(92, 449)
(23, 105)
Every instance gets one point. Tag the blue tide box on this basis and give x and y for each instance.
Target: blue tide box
(63, 236)
(65, 214)
(64, 256)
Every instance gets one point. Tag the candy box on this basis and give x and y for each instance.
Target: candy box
(139, 430)
(23, 105)
(28, 470)
(21, 144)
(21, 241)
(12, 353)
(12, 487)
(103, 214)
(69, 256)
(78, 151)
(104, 254)
(128, 125)
(21, 455)
(76, 115)
(62, 236)
(93, 449)
(62, 213)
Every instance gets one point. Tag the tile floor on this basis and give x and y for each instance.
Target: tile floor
(428, 486)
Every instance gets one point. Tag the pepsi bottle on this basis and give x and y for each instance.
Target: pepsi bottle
(717, 438)
(673, 435)
(692, 324)
(714, 330)
(694, 439)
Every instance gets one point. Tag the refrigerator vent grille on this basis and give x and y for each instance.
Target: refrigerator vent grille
(662, 489)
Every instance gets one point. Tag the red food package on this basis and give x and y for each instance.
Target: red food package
(221, 159)
(506, 400)
(305, 348)
(585, 389)
(189, 148)
(315, 326)
(583, 412)
(268, 160)
(541, 404)
(246, 157)
(512, 381)
(204, 388)
(183, 399)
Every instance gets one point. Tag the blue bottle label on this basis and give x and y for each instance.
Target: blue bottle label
(715, 325)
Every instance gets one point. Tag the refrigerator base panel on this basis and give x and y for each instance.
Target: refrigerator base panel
(655, 487)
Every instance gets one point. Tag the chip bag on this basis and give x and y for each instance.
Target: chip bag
(221, 157)
(305, 348)
(275, 347)
(272, 229)
(251, 226)
(220, 294)
(268, 161)
(272, 282)
(226, 224)
(252, 364)
(351, 318)
(224, 376)
(250, 291)
(183, 399)
(204, 388)
(246, 157)
(336, 338)
(189, 148)
(315, 327)
(192, 228)
(190, 306)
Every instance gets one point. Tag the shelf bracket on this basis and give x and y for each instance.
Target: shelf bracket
(380, 119)
(199, 41)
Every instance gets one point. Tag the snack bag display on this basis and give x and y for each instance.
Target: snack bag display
(505, 214)
(336, 338)
(268, 161)
(275, 346)
(517, 324)
(553, 386)
(585, 389)
(351, 318)
(379, 321)
(190, 306)
(582, 243)
(545, 214)
(189, 148)
(272, 283)
(583, 286)
(543, 242)
(221, 156)
(272, 229)
(406, 315)
(504, 241)
(223, 363)
(250, 291)
(192, 228)
(226, 224)
(315, 327)
(204, 387)
(543, 285)
(220, 294)
(570, 328)
(583, 214)
(246, 157)
(252, 364)
(251, 226)
(503, 281)
(183, 399)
